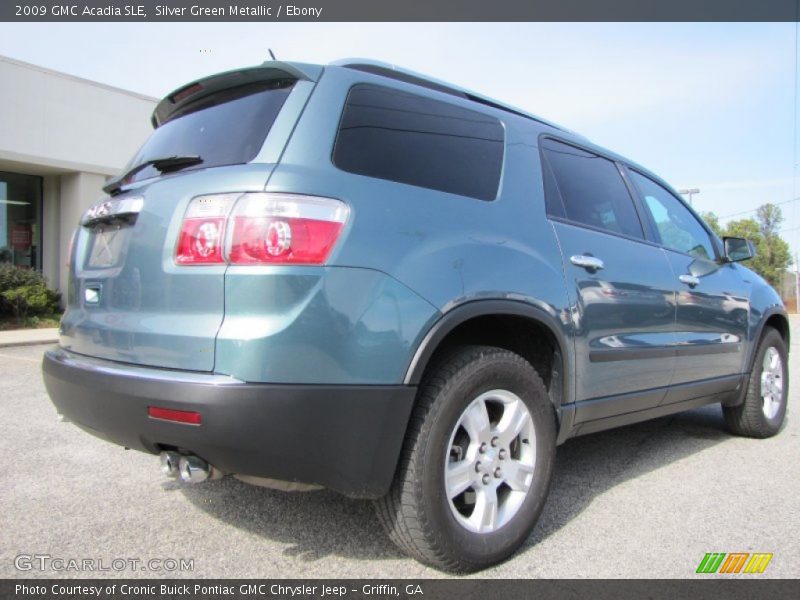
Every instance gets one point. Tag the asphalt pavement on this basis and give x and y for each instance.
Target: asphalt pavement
(644, 501)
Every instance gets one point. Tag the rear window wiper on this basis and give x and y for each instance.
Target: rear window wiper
(165, 164)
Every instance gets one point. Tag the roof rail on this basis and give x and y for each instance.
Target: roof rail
(399, 74)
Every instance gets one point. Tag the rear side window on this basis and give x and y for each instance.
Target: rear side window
(411, 139)
(226, 128)
(588, 189)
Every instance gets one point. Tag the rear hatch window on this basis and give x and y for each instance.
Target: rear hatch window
(225, 128)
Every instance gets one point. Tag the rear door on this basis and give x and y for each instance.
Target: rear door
(712, 299)
(128, 300)
(620, 285)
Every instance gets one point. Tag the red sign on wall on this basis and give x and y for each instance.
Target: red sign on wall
(21, 237)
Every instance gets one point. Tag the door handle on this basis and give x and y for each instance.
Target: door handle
(590, 263)
(690, 280)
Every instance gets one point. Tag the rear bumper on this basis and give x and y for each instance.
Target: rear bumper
(343, 437)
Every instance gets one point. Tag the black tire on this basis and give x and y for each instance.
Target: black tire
(416, 512)
(749, 418)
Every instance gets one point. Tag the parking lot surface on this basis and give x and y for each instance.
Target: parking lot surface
(645, 501)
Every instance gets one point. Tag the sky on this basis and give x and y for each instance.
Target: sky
(710, 106)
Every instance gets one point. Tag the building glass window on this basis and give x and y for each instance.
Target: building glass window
(21, 220)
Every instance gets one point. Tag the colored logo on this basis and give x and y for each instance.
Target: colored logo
(734, 562)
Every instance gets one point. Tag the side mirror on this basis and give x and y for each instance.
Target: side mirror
(738, 249)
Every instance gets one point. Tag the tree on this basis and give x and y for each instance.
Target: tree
(712, 220)
(769, 219)
(772, 252)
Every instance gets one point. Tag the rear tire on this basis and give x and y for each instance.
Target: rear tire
(476, 463)
(764, 408)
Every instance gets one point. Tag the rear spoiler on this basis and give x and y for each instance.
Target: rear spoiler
(207, 86)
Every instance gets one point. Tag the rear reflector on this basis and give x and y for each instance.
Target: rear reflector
(168, 414)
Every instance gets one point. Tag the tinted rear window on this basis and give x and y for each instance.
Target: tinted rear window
(411, 139)
(588, 190)
(224, 129)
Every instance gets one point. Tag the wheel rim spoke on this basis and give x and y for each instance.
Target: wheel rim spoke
(476, 421)
(484, 517)
(518, 475)
(515, 417)
(459, 477)
(774, 360)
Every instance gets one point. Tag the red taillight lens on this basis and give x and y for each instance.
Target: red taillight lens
(202, 237)
(285, 229)
(201, 242)
(260, 229)
(169, 414)
(271, 240)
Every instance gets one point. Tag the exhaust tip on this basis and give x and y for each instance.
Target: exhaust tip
(170, 463)
(193, 469)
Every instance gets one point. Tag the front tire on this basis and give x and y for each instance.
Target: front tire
(762, 412)
(476, 464)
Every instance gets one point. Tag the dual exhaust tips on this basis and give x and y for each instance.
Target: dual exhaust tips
(189, 468)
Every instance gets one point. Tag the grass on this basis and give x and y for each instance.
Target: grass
(8, 323)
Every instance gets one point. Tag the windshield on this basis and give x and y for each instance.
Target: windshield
(226, 128)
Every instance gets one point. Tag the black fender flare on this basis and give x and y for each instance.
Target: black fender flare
(750, 358)
(484, 308)
(768, 314)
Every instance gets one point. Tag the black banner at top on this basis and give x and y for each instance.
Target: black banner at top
(397, 10)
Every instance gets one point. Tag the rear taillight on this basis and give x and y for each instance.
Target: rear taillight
(262, 229)
(202, 237)
(285, 229)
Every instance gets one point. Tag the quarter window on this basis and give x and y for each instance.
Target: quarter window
(677, 227)
(589, 190)
(388, 134)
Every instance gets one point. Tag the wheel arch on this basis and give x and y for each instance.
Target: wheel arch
(776, 318)
(478, 313)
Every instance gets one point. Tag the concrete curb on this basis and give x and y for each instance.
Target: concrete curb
(28, 337)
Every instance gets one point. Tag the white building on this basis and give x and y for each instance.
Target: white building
(60, 138)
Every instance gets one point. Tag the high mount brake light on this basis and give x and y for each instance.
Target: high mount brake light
(260, 229)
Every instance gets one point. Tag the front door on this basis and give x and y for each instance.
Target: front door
(712, 298)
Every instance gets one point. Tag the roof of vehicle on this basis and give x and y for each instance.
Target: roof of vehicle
(312, 72)
(398, 73)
